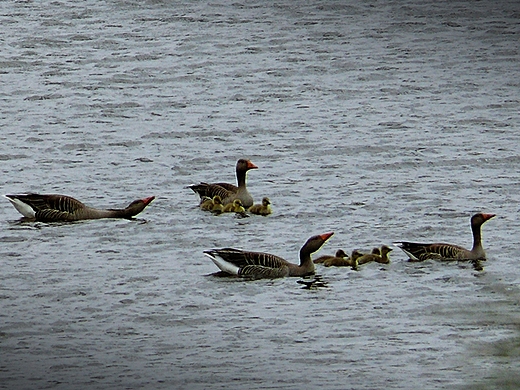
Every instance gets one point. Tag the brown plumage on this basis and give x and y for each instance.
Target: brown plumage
(229, 192)
(265, 265)
(442, 251)
(63, 208)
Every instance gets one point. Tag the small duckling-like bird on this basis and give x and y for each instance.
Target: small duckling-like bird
(63, 208)
(441, 251)
(368, 257)
(258, 265)
(229, 192)
(378, 255)
(385, 251)
(234, 207)
(340, 253)
(261, 209)
(217, 206)
(343, 262)
(206, 203)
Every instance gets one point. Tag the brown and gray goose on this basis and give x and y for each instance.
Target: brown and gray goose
(229, 192)
(259, 265)
(442, 251)
(63, 208)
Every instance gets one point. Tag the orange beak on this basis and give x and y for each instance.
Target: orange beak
(488, 216)
(326, 236)
(250, 165)
(148, 200)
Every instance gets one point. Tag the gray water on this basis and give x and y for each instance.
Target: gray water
(380, 121)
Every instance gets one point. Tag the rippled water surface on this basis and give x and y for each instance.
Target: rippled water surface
(380, 121)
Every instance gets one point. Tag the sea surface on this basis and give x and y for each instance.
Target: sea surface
(378, 120)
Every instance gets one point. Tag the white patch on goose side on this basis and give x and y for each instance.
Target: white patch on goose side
(410, 255)
(23, 208)
(224, 265)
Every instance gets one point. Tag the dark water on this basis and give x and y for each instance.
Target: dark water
(380, 121)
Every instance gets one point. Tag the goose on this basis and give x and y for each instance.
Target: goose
(441, 251)
(261, 209)
(56, 208)
(229, 192)
(257, 265)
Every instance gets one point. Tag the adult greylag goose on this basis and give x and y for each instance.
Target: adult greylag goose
(442, 251)
(259, 265)
(378, 255)
(62, 208)
(340, 254)
(263, 208)
(229, 192)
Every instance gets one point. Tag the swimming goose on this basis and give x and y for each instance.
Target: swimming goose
(229, 192)
(340, 254)
(234, 207)
(56, 208)
(442, 251)
(265, 265)
(261, 209)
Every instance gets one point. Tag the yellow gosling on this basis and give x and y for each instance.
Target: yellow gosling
(217, 207)
(206, 203)
(262, 209)
(235, 207)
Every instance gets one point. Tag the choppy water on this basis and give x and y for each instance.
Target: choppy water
(380, 121)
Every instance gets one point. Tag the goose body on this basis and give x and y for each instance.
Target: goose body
(258, 265)
(229, 192)
(261, 209)
(442, 251)
(63, 208)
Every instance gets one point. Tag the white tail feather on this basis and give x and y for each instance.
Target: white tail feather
(224, 265)
(409, 254)
(23, 208)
